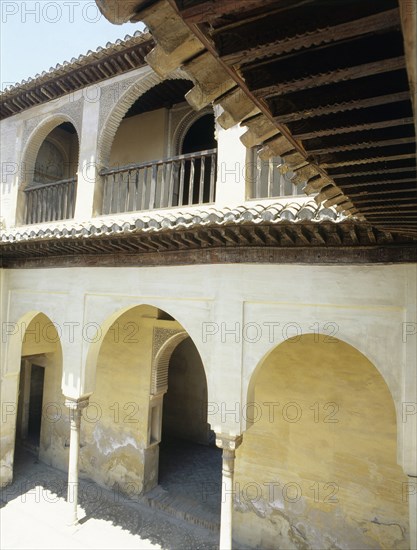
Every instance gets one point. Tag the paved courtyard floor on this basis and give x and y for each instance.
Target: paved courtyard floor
(34, 514)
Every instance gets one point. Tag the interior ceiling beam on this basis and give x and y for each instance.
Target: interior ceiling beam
(358, 127)
(357, 137)
(372, 200)
(325, 59)
(202, 12)
(337, 75)
(378, 22)
(361, 145)
(378, 168)
(366, 152)
(381, 183)
(365, 125)
(408, 13)
(337, 93)
(343, 107)
(411, 191)
(207, 42)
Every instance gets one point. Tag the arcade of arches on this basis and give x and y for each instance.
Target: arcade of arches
(317, 458)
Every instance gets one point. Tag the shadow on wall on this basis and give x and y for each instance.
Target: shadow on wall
(317, 468)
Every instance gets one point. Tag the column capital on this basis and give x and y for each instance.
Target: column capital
(76, 404)
(228, 442)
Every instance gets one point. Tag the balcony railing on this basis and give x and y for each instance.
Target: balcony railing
(177, 181)
(46, 202)
(268, 182)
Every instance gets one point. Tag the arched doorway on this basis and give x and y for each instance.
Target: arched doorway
(149, 162)
(189, 461)
(198, 174)
(50, 193)
(134, 424)
(41, 421)
(319, 458)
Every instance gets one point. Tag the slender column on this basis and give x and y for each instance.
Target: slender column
(229, 444)
(75, 408)
(410, 495)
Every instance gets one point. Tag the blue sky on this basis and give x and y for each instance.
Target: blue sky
(36, 35)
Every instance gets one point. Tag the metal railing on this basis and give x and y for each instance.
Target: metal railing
(47, 202)
(177, 181)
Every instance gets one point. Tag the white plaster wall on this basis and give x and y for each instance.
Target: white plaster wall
(96, 112)
(224, 309)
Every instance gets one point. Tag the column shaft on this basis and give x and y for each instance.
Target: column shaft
(227, 500)
(75, 408)
(74, 451)
(229, 443)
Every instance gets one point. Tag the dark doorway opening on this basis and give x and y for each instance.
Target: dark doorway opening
(189, 461)
(37, 377)
(29, 413)
(200, 137)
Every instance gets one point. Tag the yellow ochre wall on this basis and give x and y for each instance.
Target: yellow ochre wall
(115, 446)
(138, 139)
(41, 344)
(324, 432)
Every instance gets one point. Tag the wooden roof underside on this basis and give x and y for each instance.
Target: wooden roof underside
(327, 85)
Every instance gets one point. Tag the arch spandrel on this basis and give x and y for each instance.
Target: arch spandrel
(116, 113)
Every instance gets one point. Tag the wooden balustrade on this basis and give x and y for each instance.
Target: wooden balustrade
(268, 182)
(46, 202)
(177, 181)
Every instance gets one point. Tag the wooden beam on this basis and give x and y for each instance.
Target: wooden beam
(211, 81)
(209, 10)
(376, 183)
(46, 91)
(408, 11)
(358, 137)
(359, 127)
(242, 84)
(302, 234)
(376, 168)
(383, 209)
(129, 60)
(348, 73)
(366, 154)
(371, 199)
(318, 236)
(343, 107)
(361, 145)
(368, 160)
(380, 21)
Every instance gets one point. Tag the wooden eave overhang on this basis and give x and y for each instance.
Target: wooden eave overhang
(327, 85)
(278, 233)
(94, 67)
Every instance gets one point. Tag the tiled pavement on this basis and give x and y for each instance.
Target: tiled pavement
(34, 512)
(189, 482)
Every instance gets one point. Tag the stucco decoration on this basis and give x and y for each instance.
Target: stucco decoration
(185, 124)
(72, 112)
(164, 342)
(116, 101)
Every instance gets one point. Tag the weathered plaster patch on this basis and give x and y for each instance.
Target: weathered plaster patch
(106, 443)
